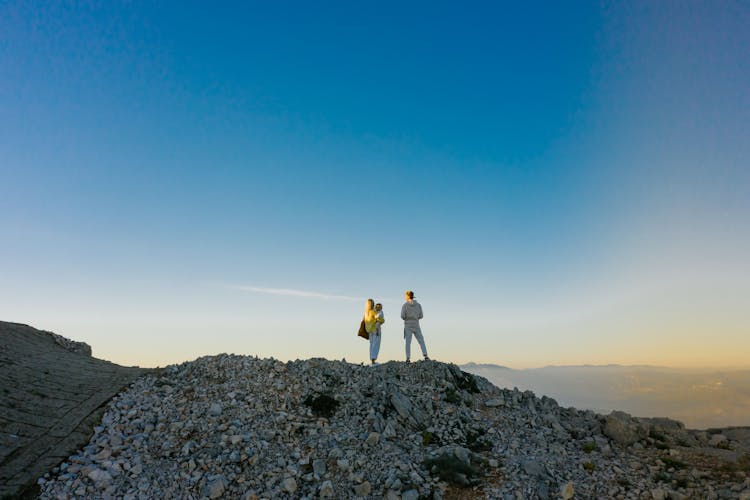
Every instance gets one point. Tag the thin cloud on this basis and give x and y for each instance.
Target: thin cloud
(290, 292)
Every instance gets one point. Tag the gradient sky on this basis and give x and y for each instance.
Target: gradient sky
(559, 183)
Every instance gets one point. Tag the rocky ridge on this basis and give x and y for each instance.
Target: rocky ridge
(52, 393)
(243, 427)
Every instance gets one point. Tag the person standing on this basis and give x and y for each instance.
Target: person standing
(375, 338)
(411, 313)
(372, 329)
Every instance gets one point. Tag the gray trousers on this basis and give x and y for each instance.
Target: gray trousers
(375, 344)
(417, 332)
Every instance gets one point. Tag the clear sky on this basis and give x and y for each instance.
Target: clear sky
(558, 182)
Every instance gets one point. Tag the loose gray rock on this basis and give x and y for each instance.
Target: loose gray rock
(326, 490)
(372, 439)
(533, 468)
(393, 495)
(289, 485)
(319, 467)
(416, 478)
(410, 495)
(362, 489)
(215, 487)
(100, 476)
(658, 494)
(463, 454)
(215, 409)
(413, 415)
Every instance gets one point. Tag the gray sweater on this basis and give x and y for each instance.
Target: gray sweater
(411, 313)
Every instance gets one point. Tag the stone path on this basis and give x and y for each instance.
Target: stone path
(50, 400)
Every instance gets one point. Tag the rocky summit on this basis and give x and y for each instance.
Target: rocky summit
(232, 426)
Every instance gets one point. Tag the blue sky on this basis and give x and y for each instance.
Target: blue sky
(559, 183)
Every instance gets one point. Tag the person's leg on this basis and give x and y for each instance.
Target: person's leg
(407, 340)
(420, 339)
(373, 356)
(375, 348)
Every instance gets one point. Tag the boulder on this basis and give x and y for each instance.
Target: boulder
(623, 429)
(410, 413)
(718, 441)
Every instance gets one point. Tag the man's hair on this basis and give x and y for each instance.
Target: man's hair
(410, 294)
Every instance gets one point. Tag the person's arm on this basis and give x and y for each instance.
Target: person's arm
(381, 318)
(420, 312)
(403, 312)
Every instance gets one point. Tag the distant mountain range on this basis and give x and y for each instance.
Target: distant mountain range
(699, 398)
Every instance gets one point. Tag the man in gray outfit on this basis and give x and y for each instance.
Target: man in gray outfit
(411, 313)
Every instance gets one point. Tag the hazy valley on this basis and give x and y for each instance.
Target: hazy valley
(699, 398)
